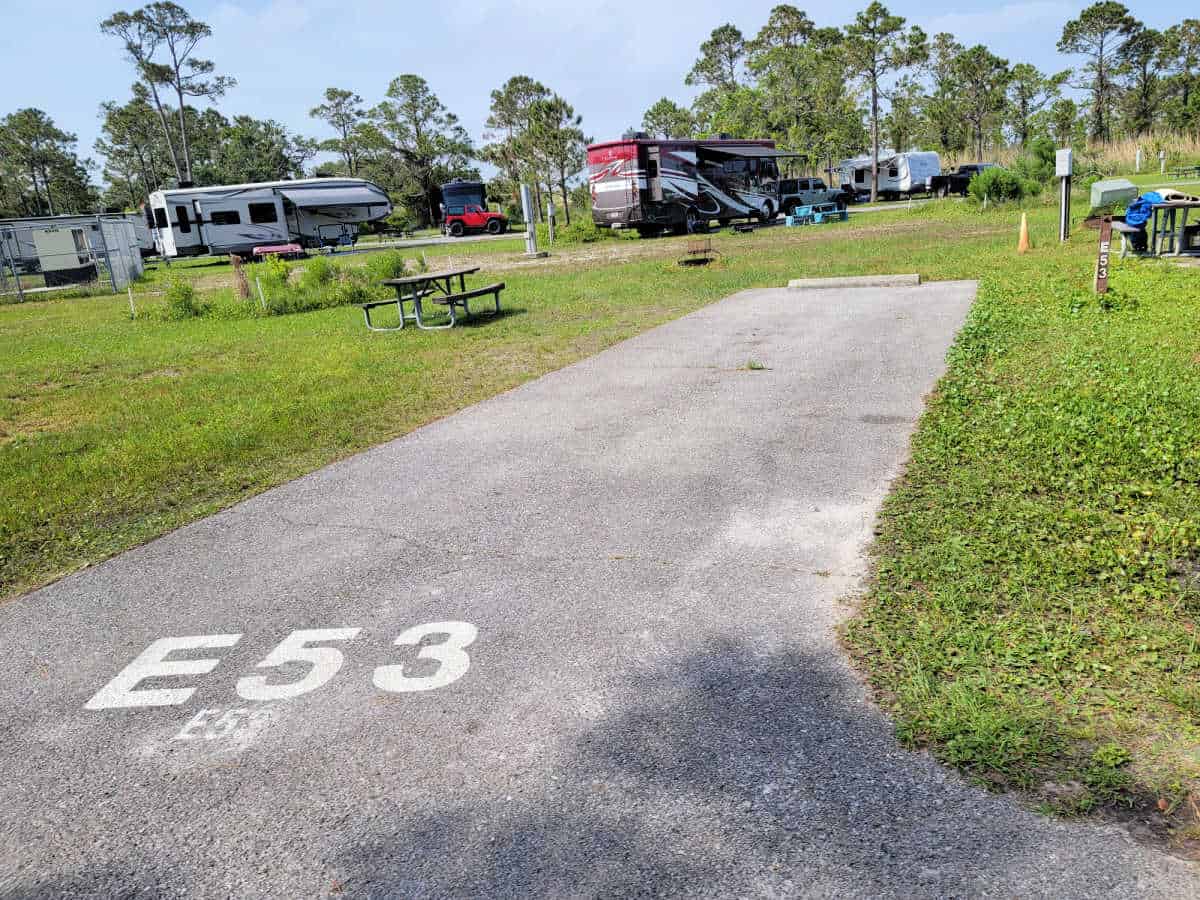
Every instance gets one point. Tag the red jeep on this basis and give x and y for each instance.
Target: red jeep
(473, 217)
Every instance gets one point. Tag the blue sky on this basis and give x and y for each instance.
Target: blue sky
(610, 59)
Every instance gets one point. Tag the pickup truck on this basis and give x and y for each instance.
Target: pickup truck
(795, 192)
(955, 182)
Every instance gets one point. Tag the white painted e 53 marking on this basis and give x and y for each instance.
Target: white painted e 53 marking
(324, 662)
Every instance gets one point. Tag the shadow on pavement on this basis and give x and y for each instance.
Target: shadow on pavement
(730, 774)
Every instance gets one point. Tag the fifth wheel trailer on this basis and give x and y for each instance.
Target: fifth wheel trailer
(313, 212)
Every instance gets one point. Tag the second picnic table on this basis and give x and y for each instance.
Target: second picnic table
(438, 287)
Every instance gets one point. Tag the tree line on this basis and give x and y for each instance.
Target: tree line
(825, 93)
(828, 93)
(409, 142)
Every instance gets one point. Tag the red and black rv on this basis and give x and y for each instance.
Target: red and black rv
(654, 185)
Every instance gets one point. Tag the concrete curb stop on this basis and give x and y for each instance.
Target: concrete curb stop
(855, 281)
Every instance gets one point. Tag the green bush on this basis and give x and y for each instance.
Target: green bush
(580, 231)
(271, 273)
(1036, 164)
(998, 185)
(353, 286)
(317, 274)
(181, 300)
(388, 264)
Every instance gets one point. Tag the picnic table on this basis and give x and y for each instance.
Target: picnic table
(1168, 232)
(436, 287)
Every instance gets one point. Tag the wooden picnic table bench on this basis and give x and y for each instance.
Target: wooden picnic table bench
(699, 252)
(439, 286)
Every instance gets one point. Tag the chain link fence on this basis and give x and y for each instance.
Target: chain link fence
(44, 255)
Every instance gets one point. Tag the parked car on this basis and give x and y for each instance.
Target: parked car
(795, 192)
(955, 182)
(472, 217)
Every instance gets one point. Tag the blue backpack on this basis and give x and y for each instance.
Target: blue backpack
(1138, 212)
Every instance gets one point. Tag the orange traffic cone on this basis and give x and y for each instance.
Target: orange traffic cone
(1023, 240)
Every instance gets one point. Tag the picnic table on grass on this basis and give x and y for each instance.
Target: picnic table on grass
(1169, 232)
(433, 287)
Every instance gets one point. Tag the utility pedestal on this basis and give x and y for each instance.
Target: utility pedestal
(1063, 166)
(531, 248)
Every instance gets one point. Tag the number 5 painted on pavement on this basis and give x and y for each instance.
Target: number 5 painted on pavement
(450, 654)
(325, 662)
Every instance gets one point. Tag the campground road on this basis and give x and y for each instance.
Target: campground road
(639, 691)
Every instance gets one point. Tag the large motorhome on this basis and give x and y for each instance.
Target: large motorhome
(900, 174)
(313, 212)
(653, 185)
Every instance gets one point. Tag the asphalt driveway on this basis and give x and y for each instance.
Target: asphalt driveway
(577, 640)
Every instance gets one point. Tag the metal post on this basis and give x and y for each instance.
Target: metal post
(1064, 212)
(1162, 162)
(1137, 161)
(112, 276)
(527, 209)
(550, 219)
(4, 260)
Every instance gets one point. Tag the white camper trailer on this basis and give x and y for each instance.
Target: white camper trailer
(313, 212)
(74, 249)
(20, 248)
(900, 174)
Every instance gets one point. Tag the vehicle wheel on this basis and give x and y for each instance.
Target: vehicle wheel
(693, 223)
(456, 229)
(789, 208)
(767, 214)
(495, 226)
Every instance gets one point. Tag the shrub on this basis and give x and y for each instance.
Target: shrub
(181, 300)
(271, 273)
(317, 275)
(388, 264)
(1036, 164)
(580, 231)
(999, 185)
(354, 286)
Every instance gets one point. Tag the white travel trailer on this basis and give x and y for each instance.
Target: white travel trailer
(20, 237)
(68, 250)
(313, 212)
(900, 174)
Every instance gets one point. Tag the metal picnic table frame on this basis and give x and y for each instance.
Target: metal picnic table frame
(1167, 228)
(413, 288)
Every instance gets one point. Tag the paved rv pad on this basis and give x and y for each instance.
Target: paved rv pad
(577, 640)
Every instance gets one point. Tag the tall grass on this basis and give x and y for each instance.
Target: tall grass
(1114, 158)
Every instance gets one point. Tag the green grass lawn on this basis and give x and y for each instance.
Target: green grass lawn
(1035, 613)
(1155, 180)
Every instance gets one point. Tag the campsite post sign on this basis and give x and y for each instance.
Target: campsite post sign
(1102, 258)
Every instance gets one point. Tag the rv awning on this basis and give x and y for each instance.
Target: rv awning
(747, 152)
(313, 197)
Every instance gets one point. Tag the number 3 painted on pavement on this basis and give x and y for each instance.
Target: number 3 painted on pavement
(450, 653)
